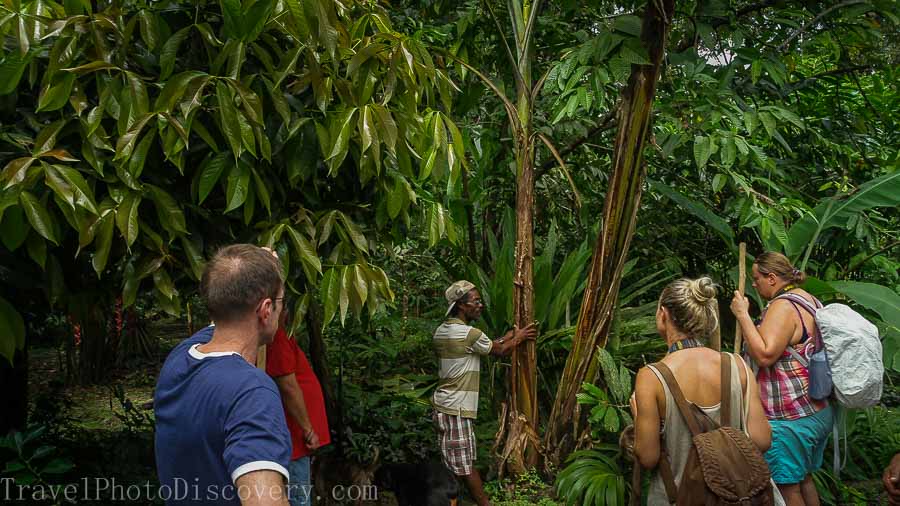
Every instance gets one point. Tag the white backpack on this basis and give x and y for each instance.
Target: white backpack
(854, 353)
(853, 350)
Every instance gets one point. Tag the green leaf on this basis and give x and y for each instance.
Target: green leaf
(356, 236)
(170, 51)
(84, 197)
(164, 284)
(697, 209)
(149, 28)
(877, 298)
(305, 250)
(262, 191)
(882, 191)
(177, 86)
(728, 153)
(167, 209)
(228, 118)
(11, 71)
(210, 174)
(628, 24)
(367, 130)
(15, 171)
(56, 94)
(125, 144)
(13, 226)
(103, 235)
(37, 249)
(238, 186)
(701, 150)
(344, 297)
(341, 129)
(330, 290)
(46, 139)
(41, 220)
(12, 330)
(360, 284)
(195, 258)
(127, 217)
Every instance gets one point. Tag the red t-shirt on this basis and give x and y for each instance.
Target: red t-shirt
(283, 357)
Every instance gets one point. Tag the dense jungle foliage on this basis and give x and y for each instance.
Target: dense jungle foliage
(385, 149)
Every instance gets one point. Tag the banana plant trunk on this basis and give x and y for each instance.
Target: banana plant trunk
(567, 429)
(519, 419)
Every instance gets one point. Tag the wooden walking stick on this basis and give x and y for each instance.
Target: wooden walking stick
(742, 282)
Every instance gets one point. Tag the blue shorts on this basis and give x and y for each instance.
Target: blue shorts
(798, 446)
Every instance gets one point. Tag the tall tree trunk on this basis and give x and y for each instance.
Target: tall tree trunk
(518, 429)
(566, 429)
(319, 360)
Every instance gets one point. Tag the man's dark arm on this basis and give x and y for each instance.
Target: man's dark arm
(504, 346)
(295, 404)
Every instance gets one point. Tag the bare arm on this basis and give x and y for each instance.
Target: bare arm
(261, 488)
(295, 404)
(511, 339)
(767, 343)
(646, 419)
(757, 425)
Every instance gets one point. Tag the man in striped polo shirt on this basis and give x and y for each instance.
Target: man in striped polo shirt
(459, 348)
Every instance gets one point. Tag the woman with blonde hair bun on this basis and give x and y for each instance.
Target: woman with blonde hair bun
(781, 346)
(688, 316)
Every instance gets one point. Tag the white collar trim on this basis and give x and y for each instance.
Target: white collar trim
(199, 355)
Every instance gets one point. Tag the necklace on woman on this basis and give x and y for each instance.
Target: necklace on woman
(683, 344)
(785, 289)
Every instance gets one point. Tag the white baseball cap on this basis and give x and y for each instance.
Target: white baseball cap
(455, 292)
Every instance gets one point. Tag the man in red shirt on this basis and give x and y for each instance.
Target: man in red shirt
(304, 409)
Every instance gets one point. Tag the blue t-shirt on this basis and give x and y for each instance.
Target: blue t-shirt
(217, 418)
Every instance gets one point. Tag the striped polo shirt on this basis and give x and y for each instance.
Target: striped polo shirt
(459, 348)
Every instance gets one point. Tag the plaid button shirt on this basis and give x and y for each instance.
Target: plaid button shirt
(784, 386)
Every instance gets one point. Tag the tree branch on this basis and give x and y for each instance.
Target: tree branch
(606, 122)
(799, 85)
(743, 12)
(868, 257)
(814, 20)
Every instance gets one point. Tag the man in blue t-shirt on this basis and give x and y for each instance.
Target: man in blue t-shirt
(221, 435)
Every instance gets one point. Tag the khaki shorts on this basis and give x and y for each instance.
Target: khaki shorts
(456, 436)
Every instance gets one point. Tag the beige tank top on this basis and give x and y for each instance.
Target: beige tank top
(678, 435)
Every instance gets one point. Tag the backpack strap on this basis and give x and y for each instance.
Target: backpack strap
(665, 472)
(725, 406)
(678, 395)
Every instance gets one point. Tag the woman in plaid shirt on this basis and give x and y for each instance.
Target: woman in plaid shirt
(800, 424)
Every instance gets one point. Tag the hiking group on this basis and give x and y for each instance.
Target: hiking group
(714, 428)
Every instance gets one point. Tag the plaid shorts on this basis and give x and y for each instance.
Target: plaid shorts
(457, 439)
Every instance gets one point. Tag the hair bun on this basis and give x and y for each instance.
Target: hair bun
(702, 290)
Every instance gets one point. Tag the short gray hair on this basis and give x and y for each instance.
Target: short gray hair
(237, 278)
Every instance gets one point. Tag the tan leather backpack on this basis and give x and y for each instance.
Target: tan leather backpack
(723, 466)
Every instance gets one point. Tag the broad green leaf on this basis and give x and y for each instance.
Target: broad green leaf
(37, 249)
(195, 259)
(15, 171)
(46, 139)
(330, 290)
(125, 144)
(341, 129)
(13, 225)
(344, 297)
(210, 174)
(164, 284)
(176, 87)
(697, 209)
(56, 94)
(12, 330)
(367, 130)
(701, 150)
(228, 119)
(127, 217)
(882, 191)
(386, 125)
(149, 28)
(238, 186)
(103, 235)
(11, 71)
(305, 250)
(167, 209)
(170, 51)
(356, 236)
(262, 191)
(360, 284)
(728, 153)
(880, 299)
(41, 220)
